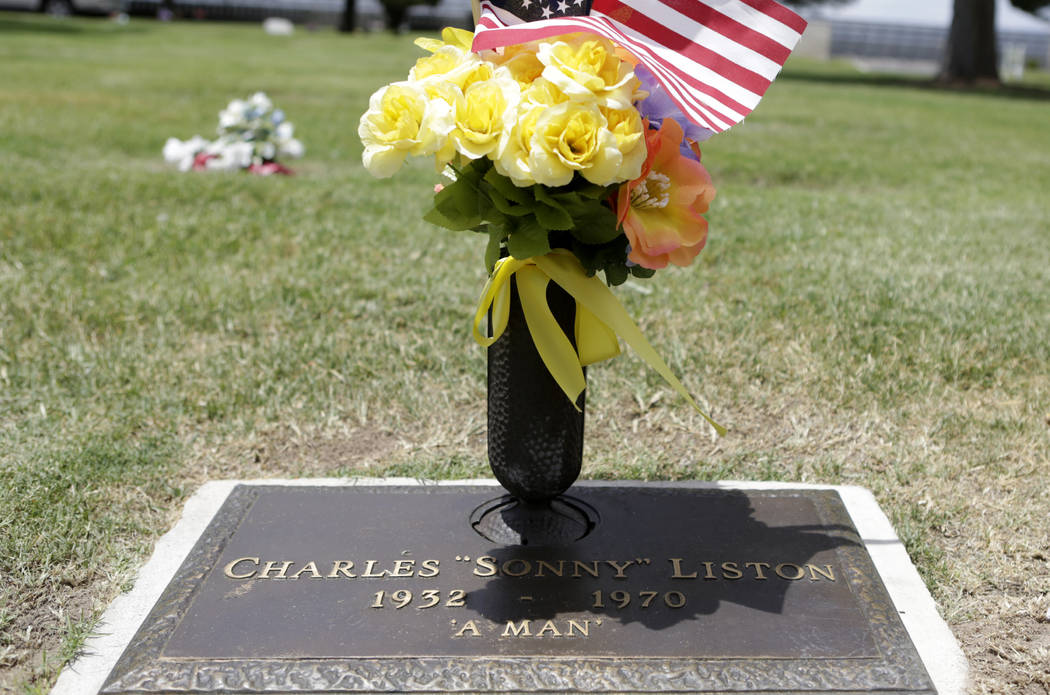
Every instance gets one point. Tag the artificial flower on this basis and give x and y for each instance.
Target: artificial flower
(482, 113)
(520, 61)
(232, 115)
(544, 92)
(259, 104)
(449, 64)
(512, 155)
(628, 129)
(450, 36)
(183, 153)
(586, 66)
(570, 137)
(662, 210)
(229, 156)
(400, 121)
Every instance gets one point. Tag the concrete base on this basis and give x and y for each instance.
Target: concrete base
(935, 643)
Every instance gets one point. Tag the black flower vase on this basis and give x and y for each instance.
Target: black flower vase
(535, 435)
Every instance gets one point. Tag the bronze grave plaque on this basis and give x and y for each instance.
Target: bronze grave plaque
(390, 588)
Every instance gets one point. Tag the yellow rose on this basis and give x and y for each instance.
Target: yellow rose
(450, 36)
(441, 62)
(450, 94)
(401, 121)
(449, 64)
(627, 127)
(571, 137)
(478, 72)
(520, 61)
(543, 92)
(585, 66)
(482, 113)
(512, 156)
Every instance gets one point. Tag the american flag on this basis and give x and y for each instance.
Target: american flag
(715, 58)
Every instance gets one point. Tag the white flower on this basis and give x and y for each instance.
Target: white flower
(291, 148)
(182, 153)
(233, 115)
(229, 155)
(260, 102)
(250, 130)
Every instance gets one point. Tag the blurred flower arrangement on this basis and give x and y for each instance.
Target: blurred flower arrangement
(253, 135)
(570, 160)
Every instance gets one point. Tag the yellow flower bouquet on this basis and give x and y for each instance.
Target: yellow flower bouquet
(551, 154)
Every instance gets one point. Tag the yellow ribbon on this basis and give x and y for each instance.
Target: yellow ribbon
(599, 319)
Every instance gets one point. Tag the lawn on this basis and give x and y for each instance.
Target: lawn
(873, 308)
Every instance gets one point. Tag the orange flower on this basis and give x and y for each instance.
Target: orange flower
(661, 211)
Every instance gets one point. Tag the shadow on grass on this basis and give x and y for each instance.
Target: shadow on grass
(885, 80)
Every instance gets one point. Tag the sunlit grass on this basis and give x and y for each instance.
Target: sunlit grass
(872, 308)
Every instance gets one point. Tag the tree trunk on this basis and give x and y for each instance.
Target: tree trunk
(971, 56)
(348, 20)
(395, 15)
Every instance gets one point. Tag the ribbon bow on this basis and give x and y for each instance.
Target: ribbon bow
(599, 319)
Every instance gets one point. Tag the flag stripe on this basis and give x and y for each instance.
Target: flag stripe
(662, 35)
(717, 111)
(676, 80)
(754, 19)
(668, 62)
(779, 13)
(715, 58)
(701, 110)
(697, 16)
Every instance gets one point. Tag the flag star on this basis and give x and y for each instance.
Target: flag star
(577, 2)
(547, 13)
(563, 6)
(525, 4)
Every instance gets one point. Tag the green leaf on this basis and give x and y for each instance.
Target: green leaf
(640, 272)
(599, 226)
(616, 274)
(505, 205)
(593, 191)
(544, 196)
(506, 188)
(455, 207)
(492, 249)
(528, 239)
(556, 218)
(435, 217)
(549, 212)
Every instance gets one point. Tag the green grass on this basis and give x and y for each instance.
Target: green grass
(872, 308)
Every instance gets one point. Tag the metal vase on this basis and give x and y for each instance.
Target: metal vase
(535, 435)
